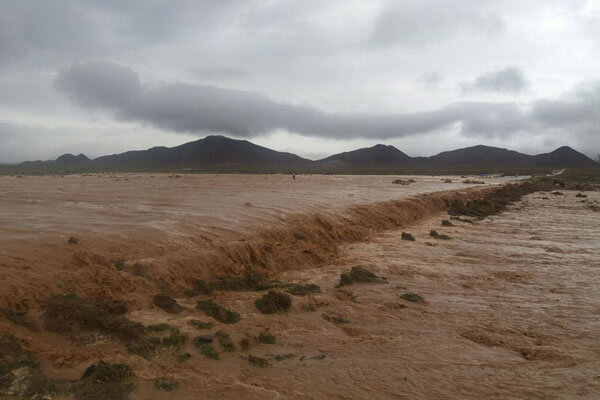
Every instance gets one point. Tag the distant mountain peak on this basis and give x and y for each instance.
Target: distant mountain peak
(221, 153)
(565, 149)
(69, 159)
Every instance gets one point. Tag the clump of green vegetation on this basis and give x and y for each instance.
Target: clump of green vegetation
(302, 289)
(225, 341)
(244, 343)
(19, 318)
(158, 327)
(359, 274)
(335, 319)
(116, 307)
(273, 302)
(145, 346)
(208, 351)
(265, 338)
(436, 235)
(202, 339)
(166, 385)
(218, 312)
(257, 361)
(31, 382)
(70, 314)
(182, 358)
(250, 280)
(104, 381)
(413, 297)
(196, 323)
(200, 287)
(175, 339)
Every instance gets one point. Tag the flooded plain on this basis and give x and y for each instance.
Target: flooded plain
(506, 308)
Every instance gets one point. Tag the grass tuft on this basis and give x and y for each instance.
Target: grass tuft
(182, 358)
(225, 341)
(218, 312)
(257, 361)
(166, 385)
(176, 339)
(264, 338)
(196, 323)
(273, 302)
(104, 381)
(200, 287)
(415, 298)
(208, 351)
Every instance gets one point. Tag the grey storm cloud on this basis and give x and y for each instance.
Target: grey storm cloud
(218, 73)
(506, 80)
(417, 22)
(189, 108)
(349, 70)
(58, 29)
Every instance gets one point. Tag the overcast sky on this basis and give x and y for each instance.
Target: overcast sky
(308, 76)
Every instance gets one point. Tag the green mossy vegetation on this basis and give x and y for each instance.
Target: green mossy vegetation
(208, 350)
(218, 312)
(196, 323)
(258, 361)
(415, 298)
(264, 338)
(104, 381)
(166, 384)
(225, 341)
(273, 302)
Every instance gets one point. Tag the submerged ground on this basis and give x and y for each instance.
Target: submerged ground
(506, 308)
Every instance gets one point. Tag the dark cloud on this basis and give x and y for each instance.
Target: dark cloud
(576, 115)
(417, 22)
(321, 63)
(506, 80)
(218, 73)
(200, 109)
(100, 85)
(67, 29)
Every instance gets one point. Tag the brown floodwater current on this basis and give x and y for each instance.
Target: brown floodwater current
(510, 309)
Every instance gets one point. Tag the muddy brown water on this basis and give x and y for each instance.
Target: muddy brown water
(510, 311)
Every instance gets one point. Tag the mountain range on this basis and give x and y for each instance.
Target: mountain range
(222, 154)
